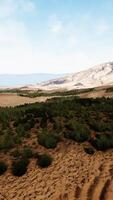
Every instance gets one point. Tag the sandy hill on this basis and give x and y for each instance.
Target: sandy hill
(100, 75)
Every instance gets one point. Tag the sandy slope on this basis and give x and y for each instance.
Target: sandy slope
(74, 175)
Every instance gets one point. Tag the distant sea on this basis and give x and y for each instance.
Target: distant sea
(7, 80)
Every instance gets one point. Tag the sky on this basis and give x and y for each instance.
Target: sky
(54, 36)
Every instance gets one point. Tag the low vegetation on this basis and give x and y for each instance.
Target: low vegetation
(89, 150)
(59, 119)
(44, 160)
(39, 93)
(3, 168)
(19, 168)
(110, 89)
(48, 140)
(76, 131)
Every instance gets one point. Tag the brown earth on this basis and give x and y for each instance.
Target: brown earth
(73, 175)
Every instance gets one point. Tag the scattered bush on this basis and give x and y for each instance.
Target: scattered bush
(6, 141)
(19, 168)
(103, 142)
(76, 131)
(48, 140)
(27, 152)
(16, 153)
(21, 131)
(44, 160)
(89, 150)
(3, 168)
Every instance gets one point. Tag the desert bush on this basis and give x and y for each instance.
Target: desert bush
(57, 124)
(16, 153)
(89, 150)
(19, 168)
(48, 140)
(21, 131)
(6, 141)
(103, 142)
(3, 168)
(99, 126)
(76, 131)
(44, 160)
(27, 152)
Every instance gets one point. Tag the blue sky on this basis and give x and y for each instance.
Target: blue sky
(54, 36)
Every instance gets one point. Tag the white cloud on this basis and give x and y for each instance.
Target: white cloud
(72, 40)
(9, 8)
(102, 28)
(15, 47)
(27, 6)
(55, 24)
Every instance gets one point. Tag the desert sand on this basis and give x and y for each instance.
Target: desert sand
(73, 175)
(10, 99)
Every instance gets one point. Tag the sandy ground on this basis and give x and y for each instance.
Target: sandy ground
(14, 100)
(73, 175)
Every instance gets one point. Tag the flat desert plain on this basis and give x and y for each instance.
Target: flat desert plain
(10, 99)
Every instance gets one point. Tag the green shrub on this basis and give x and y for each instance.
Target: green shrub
(99, 126)
(6, 141)
(76, 131)
(103, 142)
(17, 139)
(3, 168)
(27, 152)
(19, 168)
(44, 160)
(21, 131)
(16, 153)
(48, 140)
(89, 150)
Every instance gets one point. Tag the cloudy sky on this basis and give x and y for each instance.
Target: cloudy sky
(54, 36)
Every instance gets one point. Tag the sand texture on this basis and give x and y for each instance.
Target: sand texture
(73, 175)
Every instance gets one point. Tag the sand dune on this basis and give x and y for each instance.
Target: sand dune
(74, 175)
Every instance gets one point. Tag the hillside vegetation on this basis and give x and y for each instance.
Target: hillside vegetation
(46, 124)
